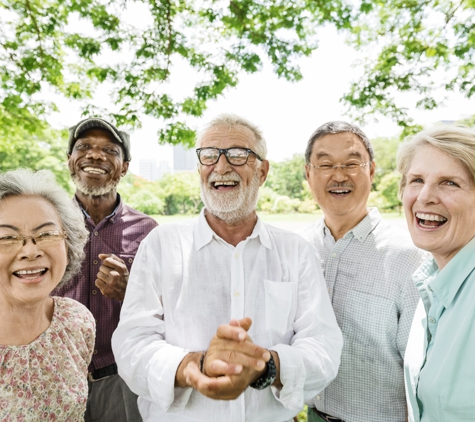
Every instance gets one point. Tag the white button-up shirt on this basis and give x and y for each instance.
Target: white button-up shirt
(186, 281)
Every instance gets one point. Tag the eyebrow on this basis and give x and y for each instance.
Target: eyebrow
(9, 226)
(351, 154)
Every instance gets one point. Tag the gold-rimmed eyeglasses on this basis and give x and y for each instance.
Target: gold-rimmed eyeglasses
(13, 243)
(352, 168)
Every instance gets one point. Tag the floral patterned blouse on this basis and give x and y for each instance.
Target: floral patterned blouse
(46, 380)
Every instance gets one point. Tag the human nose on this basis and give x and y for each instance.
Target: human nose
(339, 172)
(30, 250)
(95, 154)
(222, 166)
(427, 194)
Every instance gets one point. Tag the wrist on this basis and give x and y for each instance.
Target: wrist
(180, 379)
(267, 377)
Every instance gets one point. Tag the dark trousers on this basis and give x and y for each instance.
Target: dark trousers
(110, 400)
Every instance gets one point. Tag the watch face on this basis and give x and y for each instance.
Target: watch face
(267, 378)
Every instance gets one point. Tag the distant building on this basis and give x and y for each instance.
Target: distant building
(151, 170)
(184, 159)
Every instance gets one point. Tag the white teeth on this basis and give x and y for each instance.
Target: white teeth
(25, 272)
(340, 191)
(94, 170)
(226, 183)
(430, 217)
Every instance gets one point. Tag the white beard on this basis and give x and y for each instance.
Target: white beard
(232, 206)
(94, 190)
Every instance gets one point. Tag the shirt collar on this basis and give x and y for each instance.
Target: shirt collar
(117, 211)
(203, 233)
(446, 285)
(362, 230)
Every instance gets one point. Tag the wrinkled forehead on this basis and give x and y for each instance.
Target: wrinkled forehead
(340, 145)
(226, 136)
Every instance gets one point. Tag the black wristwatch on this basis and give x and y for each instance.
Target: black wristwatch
(268, 377)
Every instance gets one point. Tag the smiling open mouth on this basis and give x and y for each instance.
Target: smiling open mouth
(30, 274)
(223, 184)
(430, 220)
(340, 191)
(94, 170)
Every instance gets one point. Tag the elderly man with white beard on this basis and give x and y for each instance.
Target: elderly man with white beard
(226, 318)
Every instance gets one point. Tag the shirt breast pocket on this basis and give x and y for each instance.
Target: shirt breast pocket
(280, 305)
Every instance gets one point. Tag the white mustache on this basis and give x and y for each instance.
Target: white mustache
(232, 177)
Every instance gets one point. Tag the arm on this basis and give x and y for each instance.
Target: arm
(146, 361)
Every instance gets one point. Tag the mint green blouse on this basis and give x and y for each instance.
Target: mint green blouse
(439, 365)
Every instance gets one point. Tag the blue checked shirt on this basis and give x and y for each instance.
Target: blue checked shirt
(368, 275)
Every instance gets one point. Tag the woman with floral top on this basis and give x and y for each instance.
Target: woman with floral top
(46, 343)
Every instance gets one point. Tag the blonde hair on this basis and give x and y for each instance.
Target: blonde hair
(456, 141)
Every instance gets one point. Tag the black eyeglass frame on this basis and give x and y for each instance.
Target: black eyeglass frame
(225, 152)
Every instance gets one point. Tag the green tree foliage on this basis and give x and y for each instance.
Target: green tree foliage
(411, 46)
(385, 150)
(31, 143)
(181, 193)
(70, 47)
(286, 177)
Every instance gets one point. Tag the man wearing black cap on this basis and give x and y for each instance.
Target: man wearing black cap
(98, 156)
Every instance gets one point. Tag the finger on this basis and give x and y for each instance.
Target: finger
(217, 368)
(247, 361)
(100, 283)
(112, 260)
(245, 323)
(229, 332)
(221, 388)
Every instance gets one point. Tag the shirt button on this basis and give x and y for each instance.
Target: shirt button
(95, 352)
(432, 320)
(95, 262)
(94, 292)
(333, 254)
(319, 397)
(131, 260)
(237, 294)
(236, 255)
(329, 290)
(96, 233)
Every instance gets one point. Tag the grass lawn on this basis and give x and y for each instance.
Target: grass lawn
(291, 221)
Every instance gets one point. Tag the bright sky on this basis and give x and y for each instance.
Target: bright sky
(289, 112)
(286, 112)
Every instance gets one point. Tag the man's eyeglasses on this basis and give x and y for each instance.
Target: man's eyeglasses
(236, 156)
(351, 168)
(42, 240)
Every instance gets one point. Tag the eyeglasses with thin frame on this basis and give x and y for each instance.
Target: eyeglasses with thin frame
(351, 168)
(12, 243)
(235, 156)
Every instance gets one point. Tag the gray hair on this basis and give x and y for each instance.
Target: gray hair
(230, 121)
(334, 127)
(456, 141)
(23, 182)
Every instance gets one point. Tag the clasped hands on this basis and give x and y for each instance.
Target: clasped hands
(231, 363)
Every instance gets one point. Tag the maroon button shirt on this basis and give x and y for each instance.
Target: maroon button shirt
(120, 234)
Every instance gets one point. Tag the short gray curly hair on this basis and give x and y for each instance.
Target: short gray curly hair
(23, 182)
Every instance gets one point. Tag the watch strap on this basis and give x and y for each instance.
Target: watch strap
(268, 377)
